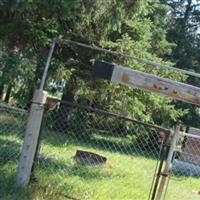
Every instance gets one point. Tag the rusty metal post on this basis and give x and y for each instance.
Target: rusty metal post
(168, 164)
(162, 158)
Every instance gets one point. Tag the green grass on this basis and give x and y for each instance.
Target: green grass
(122, 173)
(58, 176)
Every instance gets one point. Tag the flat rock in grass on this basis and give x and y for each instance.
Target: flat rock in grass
(90, 158)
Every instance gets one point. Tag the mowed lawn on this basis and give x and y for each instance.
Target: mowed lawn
(59, 176)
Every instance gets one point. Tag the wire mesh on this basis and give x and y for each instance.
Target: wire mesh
(91, 154)
(12, 127)
(187, 157)
(185, 175)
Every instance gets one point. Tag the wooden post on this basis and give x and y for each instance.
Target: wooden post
(31, 138)
(147, 82)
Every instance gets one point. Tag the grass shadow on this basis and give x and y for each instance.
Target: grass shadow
(13, 124)
(73, 168)
(9, 150)
(98, 141)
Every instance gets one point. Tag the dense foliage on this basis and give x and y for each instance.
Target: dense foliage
(185, 33)
(159, 30)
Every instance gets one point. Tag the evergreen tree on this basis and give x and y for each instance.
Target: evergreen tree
(135, 27)
(185, 33)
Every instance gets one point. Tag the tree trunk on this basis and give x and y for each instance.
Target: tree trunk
(70, 89)
(1, 91)
(8, 93)
(187, 12)
(63, 111)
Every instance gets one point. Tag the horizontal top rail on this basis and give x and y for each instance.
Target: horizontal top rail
(73, 104)
(190, 154)
(13, 108)
(190, 135)
(142, 60)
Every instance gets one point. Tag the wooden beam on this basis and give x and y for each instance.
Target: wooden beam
(147, 82)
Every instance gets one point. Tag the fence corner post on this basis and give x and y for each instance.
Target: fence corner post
(31, 140)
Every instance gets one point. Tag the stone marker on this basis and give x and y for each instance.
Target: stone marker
(89, 158)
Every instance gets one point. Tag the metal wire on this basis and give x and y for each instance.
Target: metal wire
(142, 60)
(106, 113)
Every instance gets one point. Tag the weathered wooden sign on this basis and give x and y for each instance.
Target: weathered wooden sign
(147, 82)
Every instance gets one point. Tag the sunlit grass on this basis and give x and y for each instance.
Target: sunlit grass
(58, 176)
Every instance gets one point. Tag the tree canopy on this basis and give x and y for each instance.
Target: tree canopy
(161, 30)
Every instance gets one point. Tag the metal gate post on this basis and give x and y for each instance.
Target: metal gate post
(168, 164)
(31, 138)
(163, 155)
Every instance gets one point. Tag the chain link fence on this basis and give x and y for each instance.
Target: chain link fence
(185, 175)
(91, 154)
(12, 128)
(87, 153)
(187, 156)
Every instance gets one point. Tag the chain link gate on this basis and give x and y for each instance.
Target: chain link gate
(87, 153)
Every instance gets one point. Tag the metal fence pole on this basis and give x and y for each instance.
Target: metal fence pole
(47, 65)
(163, 155)
(31, 138)
(168, 164)
(46, 68)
